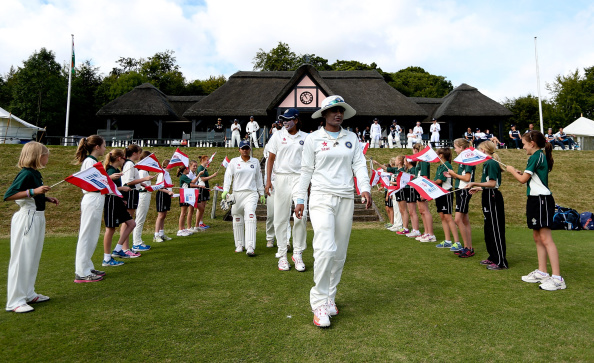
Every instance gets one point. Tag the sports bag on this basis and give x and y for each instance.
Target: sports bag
(566, 218)
(587, 221)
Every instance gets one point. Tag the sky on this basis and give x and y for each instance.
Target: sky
(487, 44)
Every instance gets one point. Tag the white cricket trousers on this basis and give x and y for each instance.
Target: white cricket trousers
(375, 141)
(397, 216)
(284, 195)
(235, 137)
(91, 211)
(331, 219)
(390, 141)
(144, 202)
(27, 231)
(244, 214)
(270, 217)
(255, 140)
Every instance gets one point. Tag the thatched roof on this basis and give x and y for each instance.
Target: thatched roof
(180, 104)
(143, 101)
(467, 101)
(427, 104)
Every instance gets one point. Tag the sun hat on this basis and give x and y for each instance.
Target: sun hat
(290, 114)
(334, 101)
(244, 144)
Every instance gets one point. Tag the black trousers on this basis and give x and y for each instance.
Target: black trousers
(493, 210)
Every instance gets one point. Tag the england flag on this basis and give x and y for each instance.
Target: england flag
(178, 159)
(150, 163)
(94, 179)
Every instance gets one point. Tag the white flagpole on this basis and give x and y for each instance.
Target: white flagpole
(538, 86)
(69, 90)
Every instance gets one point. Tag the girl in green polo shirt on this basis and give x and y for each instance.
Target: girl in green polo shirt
(27, 228)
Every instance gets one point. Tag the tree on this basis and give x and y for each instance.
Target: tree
(162, 71)
(280, 58)
(416, 82)
(573, 95)
(525, 110)
(205, 87)
(83, 106)
(342, 65)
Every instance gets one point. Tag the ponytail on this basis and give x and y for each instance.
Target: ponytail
(112, 156)
(489, 148)
(181, 170)
(541, 142)
(86, 147)
(462, 143)
(131, 149)
(548, 149)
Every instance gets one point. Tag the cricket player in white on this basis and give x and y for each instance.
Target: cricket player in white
(375, 133)
(285, 161)
(434, 129)
(235, 133)
(244, 172)
(252, 129)
(270, 235)
(418, 132)
(331, 156)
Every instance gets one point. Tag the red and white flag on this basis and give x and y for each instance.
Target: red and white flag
(427, 188)
(189, 196)
(161, 185)
(150, 163)
(225, 162)
(385, 178)
(471, 156)
(94, 179)
(210, 160)
(375, 177)
(364, 146)
(356, 186)
(178, 159)
(402, 179)
(427, 154)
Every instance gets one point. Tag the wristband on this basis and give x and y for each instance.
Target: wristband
(32, 193)
(28, 194)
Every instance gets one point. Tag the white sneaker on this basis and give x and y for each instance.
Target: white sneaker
(332, 309)
(182, 233)
(428, 238)
(239, 249)
(552, 284)
(39, 298)
(23, 309)
(395, 228)
(283, 264)
(250, 252)
(157, 239)
(418, 238)
(298, 261)
(166, 238)
(321, 317)
(413, 234)
(536, 276)
(270, 243)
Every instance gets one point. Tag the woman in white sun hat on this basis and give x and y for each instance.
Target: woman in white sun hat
(331, 156)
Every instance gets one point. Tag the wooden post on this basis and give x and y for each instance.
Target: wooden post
(214, 204)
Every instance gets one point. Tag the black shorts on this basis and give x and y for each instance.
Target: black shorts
(115, 211)
(400, 195)
(388, 202)
(463, 200)
(163, 201)
(445, 203)
(410, 195)
(131, 198)
(540, 210)
(203, 195)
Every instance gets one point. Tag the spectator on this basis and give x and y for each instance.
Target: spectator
(469, 135)
(411, 138)
(493, 138)
(479, 137)
(367, 135)
(219, 129)
(552, 138)
(563, 139)
(515, 137)
(358, 133)
(530, 128)
(418, 131)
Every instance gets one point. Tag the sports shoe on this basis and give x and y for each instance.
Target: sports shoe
(90, 278)
(112, 262)
(321, 317)
(443, 244)
(403, 231)
(140, 248)
(166, 238)
(38, 299)
(388, 225)
(132, 254)
(119, 254)
(495, 267)
(203, 226)
(413, 234)
(536, 276)
(23, 309)
(394, 228)
(270, 243)
(486, 262)
(250, 252)
(456, 246)
(298, 261)
(430, 238)
(332, 309)
(418, 238)
(183, 233)
(158, 239)
(239, 249)
(552, 284)
(283, 264)
(466, 252)
(98, 273)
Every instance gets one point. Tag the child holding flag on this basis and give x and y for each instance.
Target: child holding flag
(204, 191)
(27, 228)
(163, 201)
(184, 182)
(493, 208)
(424, 169)
(410, 197)
(540, 208)
(399, 196)
(144, 202)
(445, 203)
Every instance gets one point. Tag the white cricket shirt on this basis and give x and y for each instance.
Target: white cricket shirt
(245, 176)
(287, 149)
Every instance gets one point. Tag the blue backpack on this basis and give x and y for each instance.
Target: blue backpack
(566, 218)
(587, 221)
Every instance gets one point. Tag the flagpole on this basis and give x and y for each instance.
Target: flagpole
(69, 91)
(60, 182)
(538, 87)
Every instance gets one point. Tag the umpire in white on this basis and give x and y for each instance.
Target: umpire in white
(331, 156)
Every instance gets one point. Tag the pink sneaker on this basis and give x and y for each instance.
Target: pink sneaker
(403, 231)
(132, 254)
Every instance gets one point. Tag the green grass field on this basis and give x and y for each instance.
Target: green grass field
(194, 299)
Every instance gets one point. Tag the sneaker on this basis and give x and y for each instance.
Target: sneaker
(495, 267)
(443, 244)
(413, 234)
(536, 276)
(140, 248)
(552, 284)
(158, 239)
(90, 278)
(239, 249)
(456, 246)
(250, 252)
(298, 261)
(486, 262)
(203, 226)
(23, 309)
(270, 243)
(192, 230)
(112, 262)
(182, 233)
(98, 273)
(394, 228)
(388, 225)
(321, 317)
(332, 309)
(38, 299)
(466, 252)
(166, 238)
(421, 236)
(119, 254)
(403, 231)
(430, 238)
(132, 254)
(283, 264)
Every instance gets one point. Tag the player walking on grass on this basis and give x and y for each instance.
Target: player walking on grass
(163, 202)
(464, 176)
(115, 211)
(540, 208)
(331, 156)
(445, 203)
(493, 209)
(91, 208)
(27, 228)
(284, 160)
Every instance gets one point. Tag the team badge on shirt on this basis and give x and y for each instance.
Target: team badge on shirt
(301, 142)
(348, 144)
(251, 166)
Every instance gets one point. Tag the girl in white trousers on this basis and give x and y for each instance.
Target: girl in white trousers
(144, 202)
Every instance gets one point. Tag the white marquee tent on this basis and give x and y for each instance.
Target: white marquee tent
(13, 130)
(583, 129)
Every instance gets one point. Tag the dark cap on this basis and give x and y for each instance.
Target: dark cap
(244, 145)
(290, 114)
